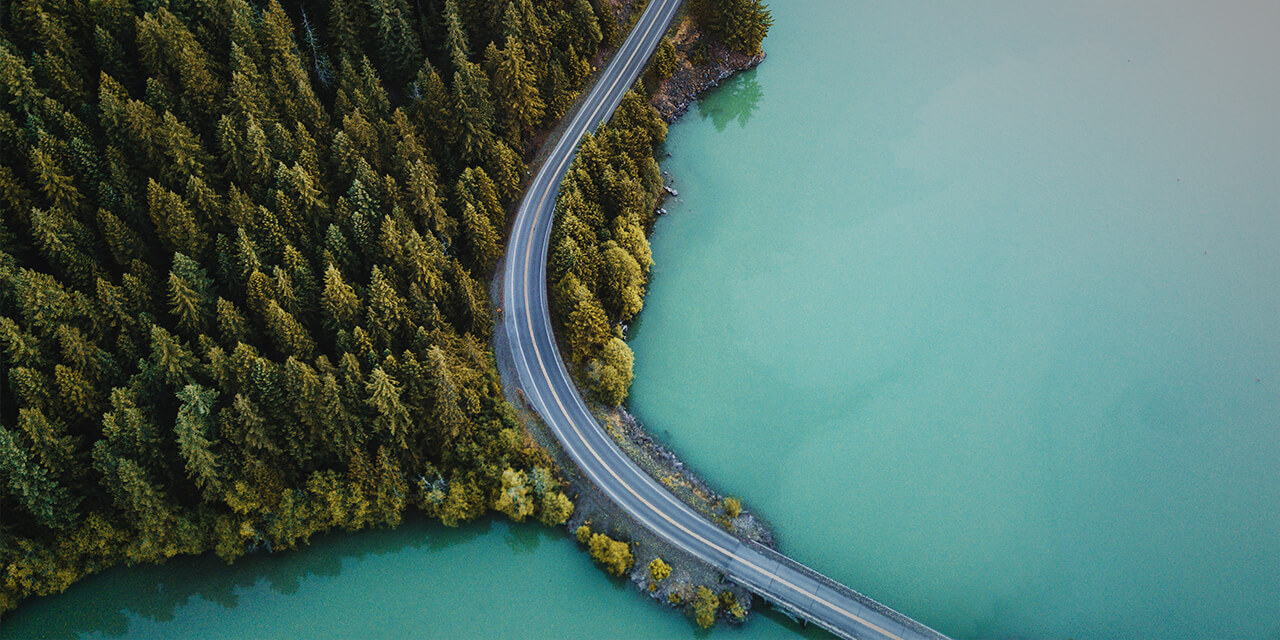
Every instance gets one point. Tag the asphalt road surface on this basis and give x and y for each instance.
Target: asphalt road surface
(549, 389)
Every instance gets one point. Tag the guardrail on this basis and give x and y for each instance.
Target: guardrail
(909, 625)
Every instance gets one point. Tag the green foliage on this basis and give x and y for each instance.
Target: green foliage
(732, 507)
(705, 606)
(613, 555)
(659, 570)
(242, 270)
(742, 24)
(555, 509)
(600, 257)
(611, 374)
(513, 496)
(664, 59)
(582, 533)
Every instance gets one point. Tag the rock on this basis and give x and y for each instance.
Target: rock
(660, 211)
(671, 191)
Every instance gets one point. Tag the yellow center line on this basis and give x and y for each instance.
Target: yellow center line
(528, 254)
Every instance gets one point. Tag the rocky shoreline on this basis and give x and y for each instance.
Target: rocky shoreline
(673, 96)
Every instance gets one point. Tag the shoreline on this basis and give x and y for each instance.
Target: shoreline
(672, 98)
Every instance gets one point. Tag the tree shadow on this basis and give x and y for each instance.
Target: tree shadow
(104, 604)
(737, 100)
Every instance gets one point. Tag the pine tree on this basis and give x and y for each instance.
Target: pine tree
(31, 485)
(169, 49)
(386, 311)
(289, 336)
(231, 323)
(346, 20)
(455, 43)
(55, 234)
(447, 416)
(391, 492)
(53, 180)
(192, 428)
(392, 417)
(291, 88)
(174, 364)
(305, 393)
(664, 59)
(742, 24)
(341, 305)
(481, 239)
(516, 90)
(51, 446)
(475, 188)
(473, 107)
(190, 294)
(433, 111)
(397, 43)
(175, 222)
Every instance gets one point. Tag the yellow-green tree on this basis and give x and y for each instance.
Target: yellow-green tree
(705, 606)
(612, 373)
(555, 509)
(514, 497)
(659, 570)
(613, 555)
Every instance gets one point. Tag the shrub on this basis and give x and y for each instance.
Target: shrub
(732, 507)
(659, 570)
(615, 556)
(705, 606)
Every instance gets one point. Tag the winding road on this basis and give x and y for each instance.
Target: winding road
(546, 384)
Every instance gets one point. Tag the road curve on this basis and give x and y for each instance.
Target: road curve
(552, 393)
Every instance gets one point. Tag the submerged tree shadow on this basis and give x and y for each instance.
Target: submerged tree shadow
(104, 604)
(737, 100)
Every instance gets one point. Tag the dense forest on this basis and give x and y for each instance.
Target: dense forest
(243, 264)
(599, 257)
(244, 256)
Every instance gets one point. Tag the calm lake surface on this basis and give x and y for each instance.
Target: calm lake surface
(490, 579)
(979, 304)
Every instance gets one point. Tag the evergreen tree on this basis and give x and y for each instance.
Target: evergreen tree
(175, 221)
(192, 428)
(742, 24)
(516, 90)
(482, 240)
(384, 400)
(397, 43)
(31, 485)
(341, 305)
(207, 269)
(190, 294)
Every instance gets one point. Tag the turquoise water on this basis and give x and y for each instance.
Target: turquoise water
(422, 580)
(979, 303)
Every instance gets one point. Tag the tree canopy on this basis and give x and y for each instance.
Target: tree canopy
(243, 263)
